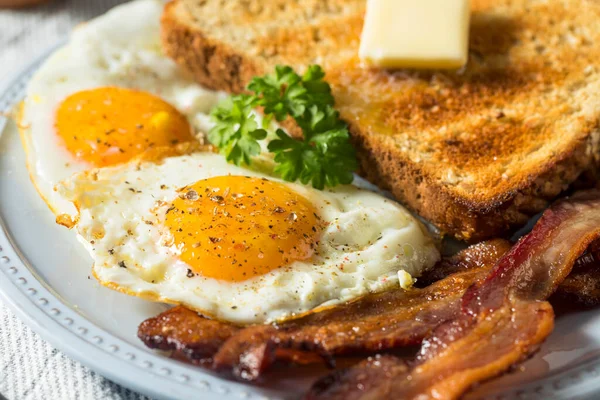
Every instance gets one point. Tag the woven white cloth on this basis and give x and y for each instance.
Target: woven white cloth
(30, 369)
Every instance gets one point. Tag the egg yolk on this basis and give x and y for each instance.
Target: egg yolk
(110, 125)
(234, 228)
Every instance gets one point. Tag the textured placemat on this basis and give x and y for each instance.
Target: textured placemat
(29, 367)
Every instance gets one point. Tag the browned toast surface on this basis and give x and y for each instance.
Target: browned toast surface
(475, 151)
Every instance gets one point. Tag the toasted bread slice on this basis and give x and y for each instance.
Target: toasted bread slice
(475, 151)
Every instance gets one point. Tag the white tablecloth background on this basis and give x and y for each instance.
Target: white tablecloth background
(29, 367)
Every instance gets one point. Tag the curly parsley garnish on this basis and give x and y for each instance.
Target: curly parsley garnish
(236, 131)
(324, 158)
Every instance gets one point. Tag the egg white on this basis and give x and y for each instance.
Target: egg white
(368, 241)
(120, 48)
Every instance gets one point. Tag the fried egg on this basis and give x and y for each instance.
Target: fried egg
(238, 244)
(106, 97)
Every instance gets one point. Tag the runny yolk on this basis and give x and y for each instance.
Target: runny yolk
(234, 228)
(110, 125)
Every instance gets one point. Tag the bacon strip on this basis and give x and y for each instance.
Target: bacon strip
(503, 318)
(373, 323)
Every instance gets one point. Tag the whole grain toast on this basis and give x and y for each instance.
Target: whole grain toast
(476, 151)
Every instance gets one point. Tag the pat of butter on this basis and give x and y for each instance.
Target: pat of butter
(416, 33)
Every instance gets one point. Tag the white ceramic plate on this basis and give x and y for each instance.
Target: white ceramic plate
(44, 277)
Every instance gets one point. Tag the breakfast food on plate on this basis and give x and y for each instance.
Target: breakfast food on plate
(237, 244)
(105, 97)
(166, 219)
(476, 151)
(260, 240)
(474, 324)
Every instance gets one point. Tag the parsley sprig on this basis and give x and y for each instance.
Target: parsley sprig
(324, 157)
(236, 131)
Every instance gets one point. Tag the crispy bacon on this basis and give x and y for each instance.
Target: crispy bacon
(503, 320)
(373, 323)
(582, 286)
(184, 332)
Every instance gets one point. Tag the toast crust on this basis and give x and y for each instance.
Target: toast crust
(474, 152)
(213, 64)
